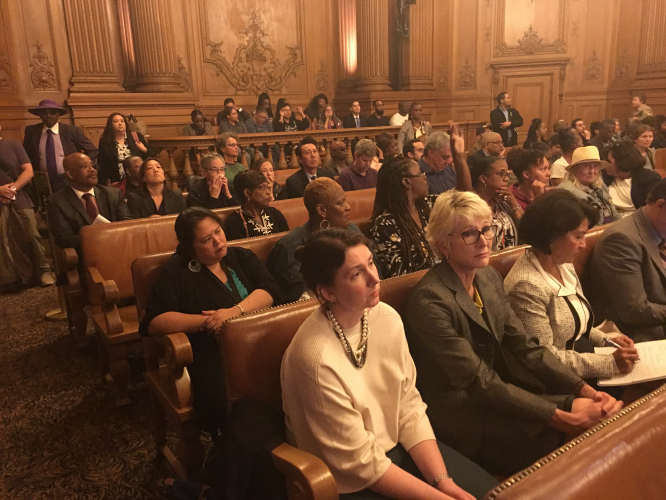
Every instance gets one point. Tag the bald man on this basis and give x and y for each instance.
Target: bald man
(339, 160)
(82, 202)
(492, 146)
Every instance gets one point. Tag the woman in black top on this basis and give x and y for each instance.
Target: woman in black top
(255, 217)
(265, 166)
(116, 144)
(536, 133)
(285, 121)
(204, 284)
(154, 199)
(265, 101)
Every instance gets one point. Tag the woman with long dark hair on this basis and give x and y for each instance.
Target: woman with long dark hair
(400, 216)
(537, 132)
(116, 144)
(265, 101)
(154, 198)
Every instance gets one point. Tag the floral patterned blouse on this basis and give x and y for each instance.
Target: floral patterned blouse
(507, 233)
(389, 248)
(123, 152)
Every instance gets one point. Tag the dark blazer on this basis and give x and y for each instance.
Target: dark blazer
(641, 183)
(199, 196)
(497, 118)
(480, 383)
(475, 158)
(72, 138)
(141, 205)
(628, 279)
(67, 215)
(349, 121)
(296, 183)
(107, 162)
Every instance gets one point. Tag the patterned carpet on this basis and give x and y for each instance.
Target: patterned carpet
(61, 435)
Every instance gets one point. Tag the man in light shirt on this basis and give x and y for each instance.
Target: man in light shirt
(401, 116)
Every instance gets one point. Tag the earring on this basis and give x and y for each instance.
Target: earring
(194, 266)
(321, 224)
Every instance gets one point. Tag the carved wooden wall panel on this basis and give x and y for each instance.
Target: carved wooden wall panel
(7, 78)
(419, 48)
(652, 54)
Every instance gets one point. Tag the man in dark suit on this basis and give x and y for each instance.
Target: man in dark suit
(506, 119)
(49, 142)
(492, 146)
(308, 158)
(82, 202)
(354, 119)
(628, 277)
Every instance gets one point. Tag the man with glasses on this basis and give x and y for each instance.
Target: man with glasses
(436, 163)
(308, 158)
(339, 160)
(227, 146)
(492, 146)
(214, 190)
(413, 149)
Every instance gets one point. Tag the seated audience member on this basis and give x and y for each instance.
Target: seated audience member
(492, 146)
(532, 170)
(398, 119)
(377, 119)
(559, 125)
(213, 191)
(155, 198)
(265, 102)
(579, 126)
(555, 150)
(604, 138)
(131, 182)
(199, 126)
(617, 128)
(542, 148)
(570, 140)
(628, 282)
(204, 284)
(354, 119)
(255, 217)
(584, 180)
(545, 292)
(229, 103)
(536, 133)
(413, 149)
(327, 206)
(642, 136)
(265, 167)
(329, 119)
(628, 181)
(82, 202)
(308, 158)
(641, 110)
(358, 410)
(659, 141)
(387, 145)
(490, 181)
(359, 175)
(414, 127)
(339, 160)
(594, 129)
(480, 132)
(227, 147)
(229, 121)
(315, 111)
(400, 215)
(116, 144)
(436, 163)
(493, 392)
(48, 143)
(285, 121)
(259, 123)
(15, 173)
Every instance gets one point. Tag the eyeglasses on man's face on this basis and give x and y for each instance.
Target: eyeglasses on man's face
(471, 236)
(420, 174)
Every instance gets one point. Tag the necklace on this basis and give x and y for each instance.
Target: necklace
(357, 357)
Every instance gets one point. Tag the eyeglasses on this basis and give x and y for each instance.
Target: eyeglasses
(216, 170)
(420, 174)
(232, 145)
(265, 188)
(502, 173)
(473, 235)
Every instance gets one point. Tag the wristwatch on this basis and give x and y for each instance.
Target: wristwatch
(439, 478)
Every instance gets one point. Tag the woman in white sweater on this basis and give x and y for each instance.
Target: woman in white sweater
(545, 292)
(348, 386)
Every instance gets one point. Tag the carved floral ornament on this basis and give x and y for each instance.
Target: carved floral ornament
(6, 80)
(466, 78)
(530, 43)
(41, 74)
(623, 68)
(593, 67)
(322, 82)
(255, 67)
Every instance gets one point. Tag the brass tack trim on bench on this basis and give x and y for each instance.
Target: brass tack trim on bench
(493, 494)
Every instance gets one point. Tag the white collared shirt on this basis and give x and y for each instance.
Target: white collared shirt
(59, 152)
(81, 193)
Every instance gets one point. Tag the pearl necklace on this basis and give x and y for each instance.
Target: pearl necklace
(357, 357)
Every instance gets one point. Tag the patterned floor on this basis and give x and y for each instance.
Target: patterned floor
(61, 435)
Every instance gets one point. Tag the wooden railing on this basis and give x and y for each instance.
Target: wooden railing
(180, 162)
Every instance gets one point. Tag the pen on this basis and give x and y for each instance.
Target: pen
(610, 343)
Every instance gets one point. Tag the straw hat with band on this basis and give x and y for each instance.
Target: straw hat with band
(586, 154)
(45, 105)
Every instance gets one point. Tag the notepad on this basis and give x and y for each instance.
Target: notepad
(652, 365)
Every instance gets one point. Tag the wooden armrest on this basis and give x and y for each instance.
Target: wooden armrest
(308, 478)
(106, 291)
(178, 355)
(71, 258)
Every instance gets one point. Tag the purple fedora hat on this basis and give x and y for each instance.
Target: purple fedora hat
(48, 104)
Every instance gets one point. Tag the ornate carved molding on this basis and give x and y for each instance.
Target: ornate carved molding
(487, 35)
(443, 79)
(6, 78)
(502, 49)
(322, 83)
(466, 76)
(42, 76)
(623, 65)
(184, 75)
(593, 67)
(255, 67)
(574, 28)
(559, 64)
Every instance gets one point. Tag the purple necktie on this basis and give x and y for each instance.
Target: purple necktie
(51, 164)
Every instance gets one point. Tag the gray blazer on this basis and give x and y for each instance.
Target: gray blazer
(628, 279)
(468, 400)
(549, 317)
